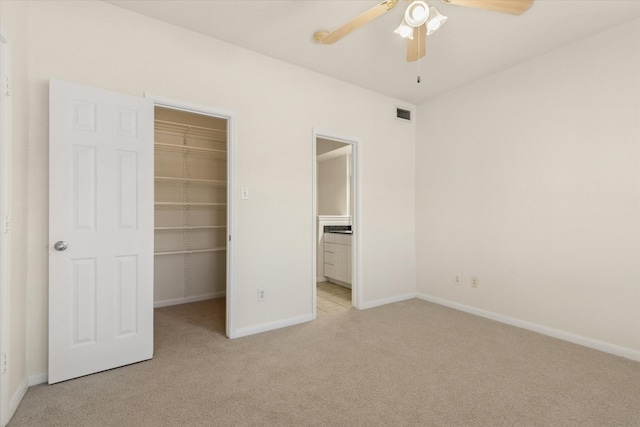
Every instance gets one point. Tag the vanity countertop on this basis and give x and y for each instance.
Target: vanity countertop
(338, 229)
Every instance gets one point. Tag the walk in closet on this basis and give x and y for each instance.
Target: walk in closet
(190, 207)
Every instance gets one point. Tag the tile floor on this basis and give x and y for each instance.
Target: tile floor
(332, 298)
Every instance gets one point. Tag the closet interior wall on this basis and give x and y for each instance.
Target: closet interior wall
(190, 207)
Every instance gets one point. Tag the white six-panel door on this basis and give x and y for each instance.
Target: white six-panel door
(100, 230)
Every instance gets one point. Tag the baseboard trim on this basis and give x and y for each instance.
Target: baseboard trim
(384, 301)
(204, 297)
(340, 283)
(39, 378)
(270, 326)
(15, 400)
(534, 327)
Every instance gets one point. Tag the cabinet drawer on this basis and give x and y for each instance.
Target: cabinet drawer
(329, 247)
(329, 237)
(329, 258)
(343, 239)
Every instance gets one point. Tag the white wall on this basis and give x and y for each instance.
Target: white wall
(96, 44)
(333, 185)
(530, 180)
(14, 21)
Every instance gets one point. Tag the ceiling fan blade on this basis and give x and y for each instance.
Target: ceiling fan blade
(326, 37)
(417, 47)
(514, 7)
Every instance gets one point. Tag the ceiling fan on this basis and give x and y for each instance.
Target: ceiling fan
(420, 20)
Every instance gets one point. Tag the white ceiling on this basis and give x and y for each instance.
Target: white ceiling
(472, 44)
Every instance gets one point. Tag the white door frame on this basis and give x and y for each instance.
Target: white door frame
(356, 214)
(231, 185)
(5, 218)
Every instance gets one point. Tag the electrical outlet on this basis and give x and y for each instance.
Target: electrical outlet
(262, 294)
(456, 280)
(474, 282)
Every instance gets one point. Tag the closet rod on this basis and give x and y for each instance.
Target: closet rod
(192, 227)
(207, 138)
(193, 251)
(188, 204)
(195, 180)
(188, 148)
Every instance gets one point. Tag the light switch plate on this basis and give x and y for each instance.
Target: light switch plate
(244, 193)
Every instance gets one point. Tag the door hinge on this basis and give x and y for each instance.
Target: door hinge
(5, 363)
(6, 86)
(6, 224)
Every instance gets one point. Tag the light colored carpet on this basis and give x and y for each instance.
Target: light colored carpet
(408, 363)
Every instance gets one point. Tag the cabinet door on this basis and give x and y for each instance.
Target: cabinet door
(329, 262)
(330, 271)
(341, 262)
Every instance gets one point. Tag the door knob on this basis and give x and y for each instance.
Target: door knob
(60, 246)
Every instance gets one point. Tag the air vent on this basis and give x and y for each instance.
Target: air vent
(403, 114)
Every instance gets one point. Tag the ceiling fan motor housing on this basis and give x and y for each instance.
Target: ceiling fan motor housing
(417, 13)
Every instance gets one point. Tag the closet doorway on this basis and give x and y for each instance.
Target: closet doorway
(192, 231)
(336, 285)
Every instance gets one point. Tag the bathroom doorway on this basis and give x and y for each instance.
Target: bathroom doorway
(336, 231)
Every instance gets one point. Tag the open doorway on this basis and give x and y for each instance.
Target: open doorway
(335, 224)
(193, 210)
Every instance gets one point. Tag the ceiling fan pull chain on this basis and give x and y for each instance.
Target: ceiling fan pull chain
(419, 60)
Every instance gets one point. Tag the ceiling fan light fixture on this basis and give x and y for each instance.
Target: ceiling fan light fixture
(417, 13)
(404, 30)
(435, 21)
